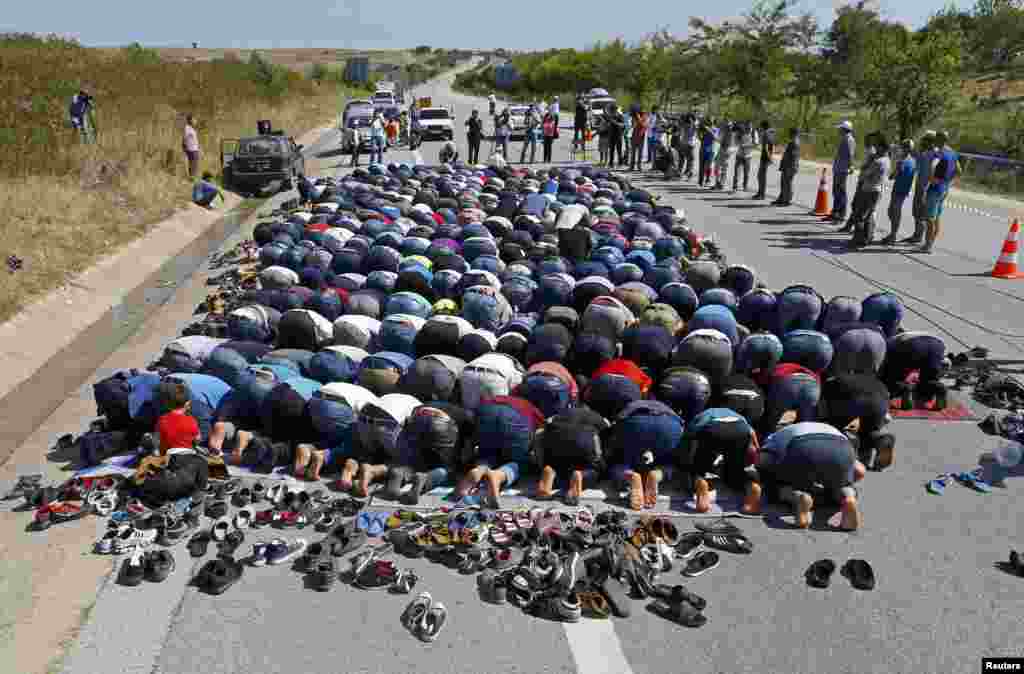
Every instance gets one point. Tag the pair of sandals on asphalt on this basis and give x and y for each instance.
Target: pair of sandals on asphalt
(424, 617)
(857, 571)
(972, 480)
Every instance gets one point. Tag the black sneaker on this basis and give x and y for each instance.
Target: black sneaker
(701, 563)
(719, 526)
(563, 609)
(159, 564)
(734, 543)
(690, 544)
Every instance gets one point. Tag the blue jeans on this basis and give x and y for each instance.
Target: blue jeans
(798, 392)
(377, 150)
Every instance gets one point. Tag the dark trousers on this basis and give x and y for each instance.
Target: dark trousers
(548, 142)
(862, 219)
(686, 160)
(762, 178)
(703, 167)
(727, 440)
(786, 188)
(474, 149)
(839, 179)
(636, 156)
(615, 150)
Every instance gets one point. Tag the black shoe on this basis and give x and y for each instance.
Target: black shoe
(729, 543)
(677, 595)
(701, 563)
(860, 574)
(682, 613)
(133, 570)
(412, 497)
(719, 526)
(888, 241)
(199, 543)
(231, 542)
(819, 574)
(217, 575)
(689, 544)
(914, 240)
(159, 564)
(1016, 563)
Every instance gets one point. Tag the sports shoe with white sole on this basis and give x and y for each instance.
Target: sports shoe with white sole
(701, 563)
(729, 543)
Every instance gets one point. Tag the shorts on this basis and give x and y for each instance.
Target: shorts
(934, 203)
(192, 155)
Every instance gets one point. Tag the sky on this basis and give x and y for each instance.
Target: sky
(384, 24)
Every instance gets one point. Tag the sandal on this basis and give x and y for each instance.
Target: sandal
(937, 485)
(416, 612)
(974, 481)
(433, 622)
(405, 582)
(682, 613)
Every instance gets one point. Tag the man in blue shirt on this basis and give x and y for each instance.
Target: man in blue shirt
(902, 185)
(204, 191)
(841, 167)
(946, 171)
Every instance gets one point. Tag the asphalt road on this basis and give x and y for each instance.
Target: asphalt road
(939, 606)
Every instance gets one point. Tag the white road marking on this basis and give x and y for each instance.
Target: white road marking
(595, 647)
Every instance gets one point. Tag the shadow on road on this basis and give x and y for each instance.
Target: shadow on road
(327, 154)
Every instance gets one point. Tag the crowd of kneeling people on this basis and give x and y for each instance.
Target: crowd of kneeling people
(462, 327)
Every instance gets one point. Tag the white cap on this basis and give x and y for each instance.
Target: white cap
(846, 126)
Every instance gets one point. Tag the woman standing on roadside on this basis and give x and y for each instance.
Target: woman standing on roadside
(550, 131)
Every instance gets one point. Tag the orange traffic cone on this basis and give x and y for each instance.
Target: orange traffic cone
(821, 201)
(1006, 265)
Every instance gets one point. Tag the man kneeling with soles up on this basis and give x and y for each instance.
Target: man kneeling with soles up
(809, 456)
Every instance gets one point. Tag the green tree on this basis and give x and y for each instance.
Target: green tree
(909, 77)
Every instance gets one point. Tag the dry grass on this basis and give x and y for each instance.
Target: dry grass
(65, 204)
(296, 59)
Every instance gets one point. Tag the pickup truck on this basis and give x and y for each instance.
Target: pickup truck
(254, 164)
(437, 123)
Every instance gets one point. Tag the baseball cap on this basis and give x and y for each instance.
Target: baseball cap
(846, 126)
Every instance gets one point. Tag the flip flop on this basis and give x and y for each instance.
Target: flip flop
(416, 612)
(937, 486)
(433, 622)
(819, 574)
(974, 481)
(682, 613)
(860, 574)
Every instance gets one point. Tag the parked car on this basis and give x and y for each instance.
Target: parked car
(437, 123)
(356, 108)
(517, 121)
(362, 123)
(597, 105)
(259, 162)
(384, 98)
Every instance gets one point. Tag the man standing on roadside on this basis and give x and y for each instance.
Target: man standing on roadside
(744, 154)
(579, 134)
(616, 127)
(767, 141)
(689, 145)
(841, 166)
(474, 134)
(639, 138)
(555, 109)
(655, 127)
(788, 167)
(945, 172)
(531, 122)
(903, 182)
(190, 145)
(925, 162)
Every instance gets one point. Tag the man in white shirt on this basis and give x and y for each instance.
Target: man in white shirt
(190, 144)
(554, 109)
